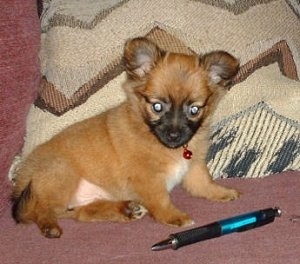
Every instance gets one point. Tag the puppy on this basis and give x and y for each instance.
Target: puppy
(124, 162)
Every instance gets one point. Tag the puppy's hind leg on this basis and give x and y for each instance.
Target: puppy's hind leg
(27, 209)
(105, 210)
(47, 223)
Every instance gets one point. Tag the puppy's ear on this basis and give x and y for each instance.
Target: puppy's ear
(140, 56)
(221, 67)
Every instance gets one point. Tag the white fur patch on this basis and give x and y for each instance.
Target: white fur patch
(87, 193)
(14, 167)
(177, 174)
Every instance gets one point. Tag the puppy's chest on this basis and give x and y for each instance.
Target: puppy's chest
(177, 173)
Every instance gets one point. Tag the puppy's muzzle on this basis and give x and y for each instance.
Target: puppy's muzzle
(174, 136)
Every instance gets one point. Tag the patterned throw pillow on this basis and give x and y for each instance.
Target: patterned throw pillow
(256, 128)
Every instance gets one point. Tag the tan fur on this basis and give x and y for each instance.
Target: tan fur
(116, 151)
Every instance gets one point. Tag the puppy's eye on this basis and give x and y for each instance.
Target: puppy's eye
(157, 107)
(194, 110)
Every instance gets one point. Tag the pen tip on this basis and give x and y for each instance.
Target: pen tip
(155, 247)
(166, 244)
(278, 211)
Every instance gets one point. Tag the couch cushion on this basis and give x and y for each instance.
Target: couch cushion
(256, 124)
(114, 243)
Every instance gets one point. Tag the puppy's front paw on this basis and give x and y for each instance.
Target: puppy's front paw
(180, 222)
(226, 195)
(176, 219)
(232, 195)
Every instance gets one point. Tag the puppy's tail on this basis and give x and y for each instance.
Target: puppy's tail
(20, 203)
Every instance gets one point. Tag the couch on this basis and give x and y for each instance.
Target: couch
(34, 106)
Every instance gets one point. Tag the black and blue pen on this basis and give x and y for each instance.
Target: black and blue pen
(234, 224)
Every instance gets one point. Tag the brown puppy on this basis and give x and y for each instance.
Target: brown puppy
(122, 163)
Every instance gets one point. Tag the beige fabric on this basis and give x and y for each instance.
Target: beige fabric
(260, 139)
(266, 84)
(42, 125)
(82, 44)
(71, 56)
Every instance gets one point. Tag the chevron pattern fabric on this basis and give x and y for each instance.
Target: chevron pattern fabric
(256, 128)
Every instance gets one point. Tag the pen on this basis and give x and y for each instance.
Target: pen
(234, 224)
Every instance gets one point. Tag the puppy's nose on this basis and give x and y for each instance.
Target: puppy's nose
(174, 135)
